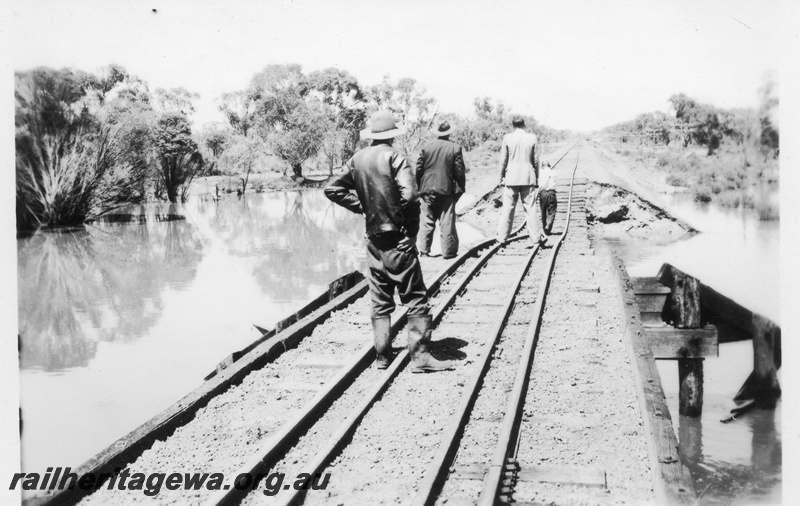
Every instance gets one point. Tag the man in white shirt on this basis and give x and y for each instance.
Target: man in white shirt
(519, 171)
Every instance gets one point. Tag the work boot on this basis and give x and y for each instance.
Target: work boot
(419, 335)
(382, 328)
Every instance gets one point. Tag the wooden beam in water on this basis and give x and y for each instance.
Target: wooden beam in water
(737, 322)
(762, 384)
(684, 313)
(667, 342)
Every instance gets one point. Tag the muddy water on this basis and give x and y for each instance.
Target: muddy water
(120, 320)
(738, 255)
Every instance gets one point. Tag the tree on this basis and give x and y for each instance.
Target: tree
(179, 159)
(176, 100)
(128, 108)
(345, 109)
(411, 104)
(768, 117)
(291, 125)
(241, 155)
(239, 109)
(68, 163)
(213, 138)
(299, 135)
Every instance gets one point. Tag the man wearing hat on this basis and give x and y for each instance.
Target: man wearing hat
(519, 171)
(441, 181)
(386, 193)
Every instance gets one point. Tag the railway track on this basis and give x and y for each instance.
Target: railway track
(319, 405)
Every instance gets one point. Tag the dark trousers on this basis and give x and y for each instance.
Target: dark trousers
(441, 208)
(390, 268)
(548, 206)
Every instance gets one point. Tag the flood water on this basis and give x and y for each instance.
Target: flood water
(119, 321)
(738, 255)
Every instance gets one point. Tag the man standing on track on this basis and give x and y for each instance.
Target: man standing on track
(519, 170)
(547, 197)
(386, 193)
(441, 179)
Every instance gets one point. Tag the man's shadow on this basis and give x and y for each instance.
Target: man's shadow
(448, 348)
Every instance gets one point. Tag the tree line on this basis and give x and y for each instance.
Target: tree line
(756, 132)
(87, 143)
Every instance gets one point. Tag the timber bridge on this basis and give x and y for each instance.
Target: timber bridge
(555, 398)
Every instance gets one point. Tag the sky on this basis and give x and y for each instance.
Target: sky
(578, 65)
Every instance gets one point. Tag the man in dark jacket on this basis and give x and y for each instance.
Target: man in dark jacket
(441, 181)
(386, 193)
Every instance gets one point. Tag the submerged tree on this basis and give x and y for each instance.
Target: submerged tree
(293, 127)
(242, 155)
(178, 156)
(68, 162)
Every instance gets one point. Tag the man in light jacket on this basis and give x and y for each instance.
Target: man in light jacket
(441, 180)
(519, 170)
(379, 183)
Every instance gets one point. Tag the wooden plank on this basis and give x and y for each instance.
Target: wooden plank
(589, 476)
(667, 342)
(294, 385)
(652, 319)
(685, 297)
(671, 479)
(320, 361)
(648, 285)
(651, 303)
(716, 307)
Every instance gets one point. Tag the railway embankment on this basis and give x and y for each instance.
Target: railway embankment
(579, 432)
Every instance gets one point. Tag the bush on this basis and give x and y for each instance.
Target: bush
(702, 196)
(674, 180)
(68, 164)
(493, 146)
(768, 211)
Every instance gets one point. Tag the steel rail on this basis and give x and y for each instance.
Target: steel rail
(509, 431)
(273, 447)
(437, 472)
(346, 429)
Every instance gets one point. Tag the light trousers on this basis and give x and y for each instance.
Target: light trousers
(526, 194)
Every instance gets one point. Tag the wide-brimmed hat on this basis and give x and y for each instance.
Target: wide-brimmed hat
(444, 129)
(381, 125)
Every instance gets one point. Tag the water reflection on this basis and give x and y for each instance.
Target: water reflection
(292, 239)
(732, 479)
(102, 283)
(122, 318)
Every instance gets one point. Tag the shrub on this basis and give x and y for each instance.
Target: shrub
(702, 196)
(674, 180)
(768, 211)
(68, 164)
(493, 146)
